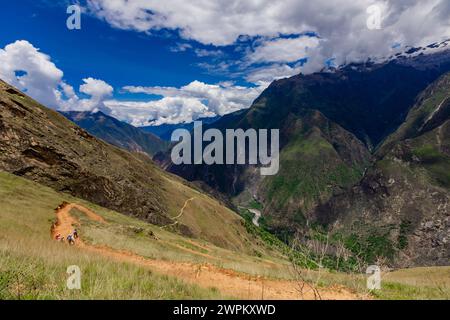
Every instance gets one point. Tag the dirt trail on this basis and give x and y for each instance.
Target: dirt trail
(228, 282)
(184, 207)
(180, 214)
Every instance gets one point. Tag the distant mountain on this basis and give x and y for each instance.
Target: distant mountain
(41, 145)
(118, 133)
(164, 131)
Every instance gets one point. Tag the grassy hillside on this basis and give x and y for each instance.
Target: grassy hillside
(33, 266)
(43, 146)
(29, 254)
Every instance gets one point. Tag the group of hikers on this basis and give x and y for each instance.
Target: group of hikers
(70, 238)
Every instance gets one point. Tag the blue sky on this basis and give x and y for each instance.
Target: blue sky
(97, 50)
(152, 61)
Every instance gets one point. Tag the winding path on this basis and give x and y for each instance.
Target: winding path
(180, 214)
(230, 283)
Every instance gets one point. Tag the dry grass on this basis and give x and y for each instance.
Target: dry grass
(32, 266)
(37, 270)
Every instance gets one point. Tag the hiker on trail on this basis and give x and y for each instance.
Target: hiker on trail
(75, 234)
(70, 239)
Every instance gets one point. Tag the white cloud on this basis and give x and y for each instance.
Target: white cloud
(166, 110)
(24, 66)
(284, 50)
(97, 89)
(263, 76)
(208, 53)
(38, 74)
(181, 47)
(43, 81)
(197, 100)
(341, 24)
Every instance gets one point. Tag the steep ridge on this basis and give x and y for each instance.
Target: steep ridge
(41, 145)
(401, 209)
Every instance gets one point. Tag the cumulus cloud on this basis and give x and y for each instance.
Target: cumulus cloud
(171, 110)
(340, 24)
(263, 76)
(190, 102)
(97, 89)
(25, 67)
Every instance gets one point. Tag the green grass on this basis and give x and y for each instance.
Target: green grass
(436, 163)
(310, 169)
(416, 284)
(37, 270)
(398, 291)
(26, 215)
(255, 205)
(32, 266)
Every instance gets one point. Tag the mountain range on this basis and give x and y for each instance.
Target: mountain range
(364, 157)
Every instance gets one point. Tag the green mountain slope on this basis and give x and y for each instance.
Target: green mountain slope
(401, 209)
(320, 160)
(33, 265)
